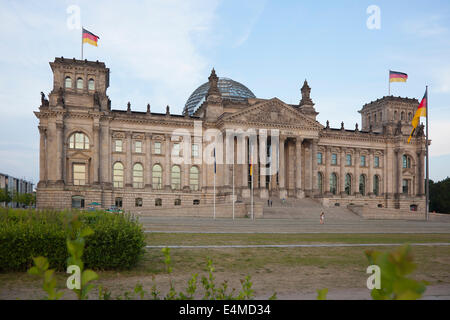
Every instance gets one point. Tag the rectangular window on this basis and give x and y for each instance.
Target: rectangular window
(376, 162)
(405, 186)
(334, 159)
(363, 161)
(118, 202)
(79, 174)
(319, 158)
(138, 202)
(158, 147)
(176, 150)
(195, 150)
(349, 159)
(118, 146)
(138, 147)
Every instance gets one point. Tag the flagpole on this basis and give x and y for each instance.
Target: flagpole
(81, 43)
(427, 185)
(214, 217)
(233, 189)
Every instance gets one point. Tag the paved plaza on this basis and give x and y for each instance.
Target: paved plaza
(305, 225)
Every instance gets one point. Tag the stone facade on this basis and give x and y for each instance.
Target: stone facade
(91, 153)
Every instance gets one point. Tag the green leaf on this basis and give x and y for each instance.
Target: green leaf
(87, 276)
(322, 294)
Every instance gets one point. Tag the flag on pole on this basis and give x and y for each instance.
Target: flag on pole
(421, 112)
(89, 37)
(395, 76)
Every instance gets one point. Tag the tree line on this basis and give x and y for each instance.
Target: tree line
(440, 196)
(23, 199)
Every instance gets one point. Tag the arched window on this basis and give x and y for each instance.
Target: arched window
(395, 115)
(138, 176)
(193, 178)
(410, 116)
(362, 184)
(157, 177)
(118, 175)
(348, 184)
(376, 185)
(68, 82)
(333, 183)
(176, 177)
(402, 116)
(79, 140)
(406, 161)
(320, 182)
(375, 118)
(79, 83)
(91, 84)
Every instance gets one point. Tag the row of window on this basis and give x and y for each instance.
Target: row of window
(80, 83)
(138, 202)
(157, 148)
(78, 202)
(348, 159)
(157, 176)
(348, 184)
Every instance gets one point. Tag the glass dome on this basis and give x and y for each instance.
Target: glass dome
(228, 88)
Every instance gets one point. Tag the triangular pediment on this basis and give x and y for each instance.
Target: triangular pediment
(273, 112)
(79, 154)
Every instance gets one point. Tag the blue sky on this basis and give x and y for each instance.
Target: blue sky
(160, 51)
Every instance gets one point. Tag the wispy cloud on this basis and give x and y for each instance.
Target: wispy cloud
(257, 9)
(427, 27)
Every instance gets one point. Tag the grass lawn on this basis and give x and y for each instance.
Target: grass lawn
(281, 270)
(270, 238)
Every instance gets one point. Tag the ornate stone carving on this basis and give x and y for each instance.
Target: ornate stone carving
(44, 101)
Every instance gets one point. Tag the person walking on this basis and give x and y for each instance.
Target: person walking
(322, 218)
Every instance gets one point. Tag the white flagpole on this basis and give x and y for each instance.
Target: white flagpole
(252, 185)
(427, 186)
(233, 190)
(214, 184)
(81, 43)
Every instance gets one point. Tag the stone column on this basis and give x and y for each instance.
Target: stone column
(282, 173)
(148, 161)
(298, 167)
(129, 168)
(96, 158)
(421, 168)
(42, 154)
(204, 169)
(326, 178)
(59, 151)
(263, 160)
(167, 167)
(399, 170)
(342, 172)
(315, 187)
(357, 163)
(186, 164)
(226, 165)
(105, 152)
(245, 164)
(370, 177)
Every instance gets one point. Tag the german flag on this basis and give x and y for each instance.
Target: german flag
(89, 37)
(395, 76)
(421, 112)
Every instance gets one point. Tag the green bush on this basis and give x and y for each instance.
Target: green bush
(117, 242)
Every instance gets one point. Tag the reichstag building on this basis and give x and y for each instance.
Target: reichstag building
(91, 154)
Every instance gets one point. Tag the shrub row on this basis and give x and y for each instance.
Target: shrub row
(117, 243)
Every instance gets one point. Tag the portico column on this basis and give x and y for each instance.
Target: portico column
(298, 167)
(399, 170)
(282, 172)
(326, 179)
(315, 187)
(245, 164)
(263, 159)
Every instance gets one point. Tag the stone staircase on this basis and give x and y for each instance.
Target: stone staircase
(306, 209)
